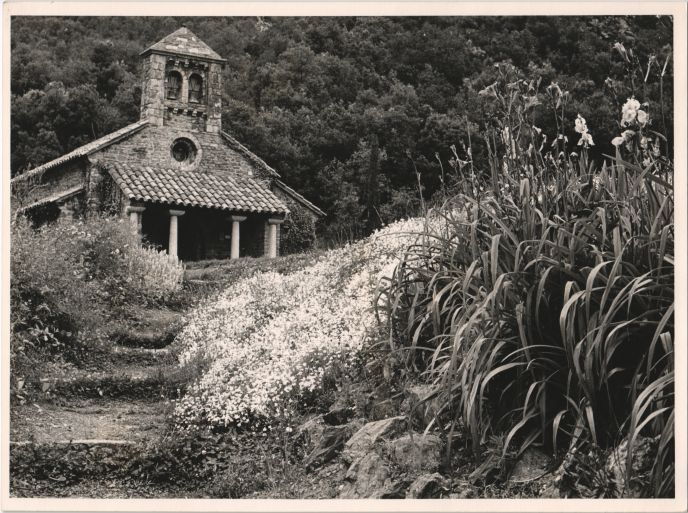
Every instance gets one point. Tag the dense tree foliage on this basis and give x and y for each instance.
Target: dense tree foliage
(354, 112)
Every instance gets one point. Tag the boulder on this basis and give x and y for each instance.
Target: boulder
(642, 460)
(427, 486)
(368, 477)
(414, 452)
(330, 443)
(365, 439)
(533, 464)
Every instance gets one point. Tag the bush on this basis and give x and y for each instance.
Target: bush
(70, 278)
(545, 316)
(154, 274)
(298, 231)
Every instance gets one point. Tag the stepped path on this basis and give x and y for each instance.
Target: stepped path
(118, 401)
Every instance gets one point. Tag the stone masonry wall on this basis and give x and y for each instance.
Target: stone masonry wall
(152, 147)
(204, 115)
(153, 88)
(51, 183)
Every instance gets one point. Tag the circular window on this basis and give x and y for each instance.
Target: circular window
(183, 150)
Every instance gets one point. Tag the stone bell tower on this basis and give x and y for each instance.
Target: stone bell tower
(182, 83)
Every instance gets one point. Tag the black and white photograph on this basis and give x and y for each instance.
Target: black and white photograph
(348, 256)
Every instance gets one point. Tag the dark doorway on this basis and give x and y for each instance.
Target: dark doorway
(191, 238)
(155, 226)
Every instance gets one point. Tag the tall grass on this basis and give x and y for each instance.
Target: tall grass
(545, 315)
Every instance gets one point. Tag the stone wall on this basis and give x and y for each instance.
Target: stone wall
(214, 119)
(50, 183)
(153, 88)
(204, 115)
(152, 147)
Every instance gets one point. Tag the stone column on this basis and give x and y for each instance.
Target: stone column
(172, 245)
(235, 235)
(272, 237)
(136, 218)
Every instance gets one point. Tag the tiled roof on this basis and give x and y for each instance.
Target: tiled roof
(84, 150)
(54, 197)
(184, 42)
(291, 192)
(195, 188)
(252, 157)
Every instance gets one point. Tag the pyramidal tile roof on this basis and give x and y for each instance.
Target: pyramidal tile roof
(195, 188)
(184, 42)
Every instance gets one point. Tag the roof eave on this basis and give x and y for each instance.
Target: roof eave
(150, 50)
(299, 198)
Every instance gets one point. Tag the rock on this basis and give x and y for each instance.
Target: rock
(364, 440)
(427, 486)
(642, 460)
(419, 405)
(311, 432)
(466, 493)
(533, 464)
(331, 442)
(379, 410)
(416, 452)
(338, 415)
(395, 490)
(368, 477)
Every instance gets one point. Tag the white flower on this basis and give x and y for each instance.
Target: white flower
(629, 111)
(618, 141)
(581, 126)
(643, 117)
(586, 140)
(627, 135)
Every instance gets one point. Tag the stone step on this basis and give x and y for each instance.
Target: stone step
(89, 419)
(153, 382)
(94, 442)
(140, 356)
(148, 339)
(151, 329)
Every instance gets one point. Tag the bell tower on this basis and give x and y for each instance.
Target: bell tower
(182, 83)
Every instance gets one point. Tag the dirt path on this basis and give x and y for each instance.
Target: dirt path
(120, 404)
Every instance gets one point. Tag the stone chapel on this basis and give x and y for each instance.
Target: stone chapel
(186, 185)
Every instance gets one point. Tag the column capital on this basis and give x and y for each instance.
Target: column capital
(137, 210)
(176, 213)
(237, 219)
(275, 221)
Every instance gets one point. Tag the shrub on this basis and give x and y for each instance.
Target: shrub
(298, 231)
(153, 273)
(546, 314)
(70, 278)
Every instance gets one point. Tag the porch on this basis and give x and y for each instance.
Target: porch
(198, 233)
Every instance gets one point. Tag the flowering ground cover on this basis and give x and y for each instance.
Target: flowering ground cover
(266, 342)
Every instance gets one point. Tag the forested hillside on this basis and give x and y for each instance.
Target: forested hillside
(353, 112)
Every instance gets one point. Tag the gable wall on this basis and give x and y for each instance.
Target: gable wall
(50, 183)
(152, 147)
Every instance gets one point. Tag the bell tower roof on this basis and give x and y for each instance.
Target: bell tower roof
(186, 43)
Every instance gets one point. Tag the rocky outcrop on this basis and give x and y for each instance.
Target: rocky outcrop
(416, 452)
(365, 439)
(385, 459)
(428, 486)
